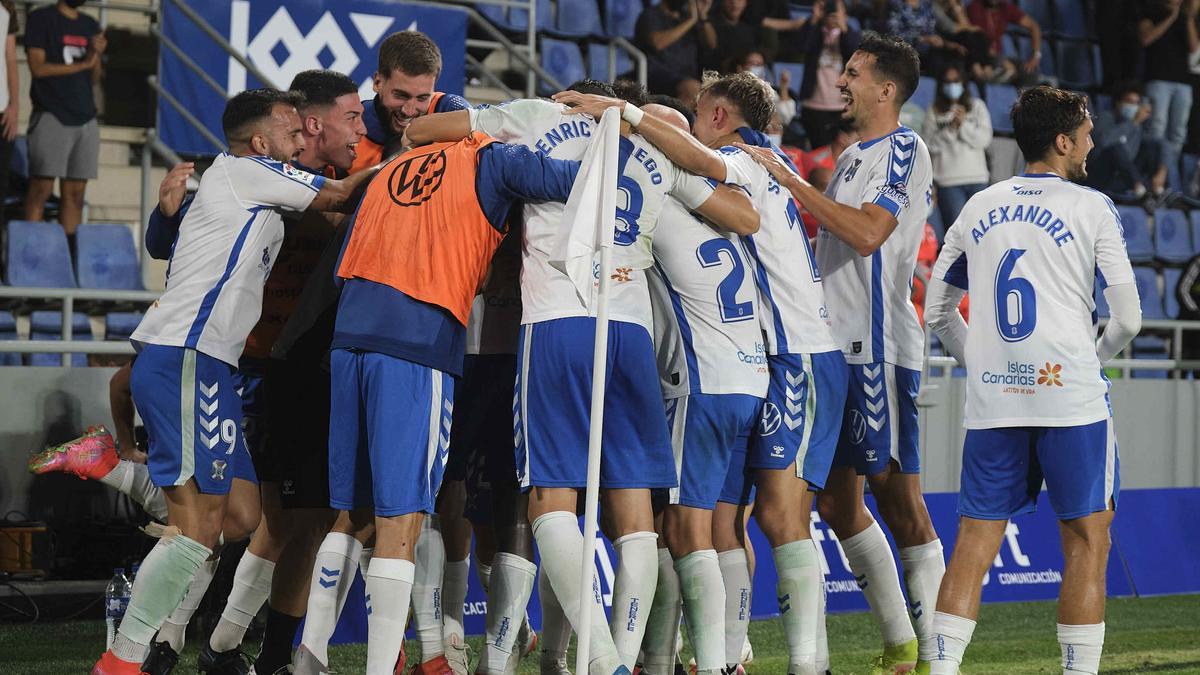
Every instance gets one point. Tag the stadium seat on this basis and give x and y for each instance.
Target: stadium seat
(1000, 98)
(1170, 297)
(577, 18)
(120, 325)
(925, 93)
(1172, 240)
(1149, 292)
(620, 17)
(598, 62)
(8, 331)
(1025, 52)
(563, 61)
(38, 255)
(47, 325)
(1137, 233)
(1070, 19)
(515, 19)
(1196, 227)
(1187, 168)
(1076, 65)
(106, 257)
(1040, 11)
(797, 71)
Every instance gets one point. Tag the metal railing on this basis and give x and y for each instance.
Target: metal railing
(69, 297)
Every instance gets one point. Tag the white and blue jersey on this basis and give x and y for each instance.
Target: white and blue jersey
(869, 297)
(226, 246)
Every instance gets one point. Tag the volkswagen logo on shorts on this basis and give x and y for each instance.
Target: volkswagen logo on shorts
(858, 427)
(416, 178)
(771, 419)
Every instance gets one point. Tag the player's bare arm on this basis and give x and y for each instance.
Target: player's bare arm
(864, 229)
(342, 195)
(438, 127)
(730, 209)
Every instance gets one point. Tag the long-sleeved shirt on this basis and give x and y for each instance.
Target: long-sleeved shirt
(959, 155)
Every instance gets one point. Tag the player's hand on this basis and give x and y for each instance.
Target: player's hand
(131, 455)
(99, 43)
(587, 104)
(769, 161)
(174, 188)
(10, 121)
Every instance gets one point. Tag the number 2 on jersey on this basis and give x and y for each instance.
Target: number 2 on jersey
(709, 254)
(1016, 302)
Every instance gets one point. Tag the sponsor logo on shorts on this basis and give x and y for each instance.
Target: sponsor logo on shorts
(858, 427)
(777, 451)
(771, 420)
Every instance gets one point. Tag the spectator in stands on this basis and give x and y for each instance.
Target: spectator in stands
(914, 22)
(952, 22)
(756, 64)
(1167, 29)
(827, 43)
(64, 47)
(8, 92)
(994, 17)
(777, 36)
(826, 156)
(672, 34)
(1126, 159)
(734, 38)
(1120, 45)
(957, 129)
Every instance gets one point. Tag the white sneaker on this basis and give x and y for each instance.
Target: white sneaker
(458, 655)
(305, 663)
(747, 652)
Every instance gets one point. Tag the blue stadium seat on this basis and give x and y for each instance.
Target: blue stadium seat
(515, 19)
(1137, 233)
(38, 255)
(1040, 11)
(797, 71)
(598, 62)
(1000, 98)
(8, 331)
(106, 257)
(1071, 19)
(1025, 52)
(497, 14)
(925, 93)
(1187, 167)
(562, 60)
(620, 17)
(1170, 298)
(1172, 239)
(1196, 227)
(577, 18)
(120, 325)
(1077, 68)
(47, 325)
(1149, 292)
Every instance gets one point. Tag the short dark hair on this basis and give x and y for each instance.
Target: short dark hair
(631, 91)
(596, 87)
(752, 96)
(321, 88)
(411, 52)
(895, 61)
(251, 106)
(674, 104)
(1124, 87)
(1041, 113)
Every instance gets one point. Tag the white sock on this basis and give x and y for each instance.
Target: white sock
(799, 591)
(923, 567)
(561, 545)
(251, 586)
(662, 626)
(133, 479)
(389, 589)
(871, 563)
(430, 561)
(703, 594)
(454, 594)
(823, 664)
(1081, 647)
(556, 629)
(162, 582)
(633, 592)
(735, 573)
(364, 560)
(512, 585)
(174, 629)
(945, 652)
(333, 573)
(484, 572)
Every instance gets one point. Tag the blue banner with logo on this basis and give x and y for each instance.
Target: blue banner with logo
(282, 38)
(1156, 541)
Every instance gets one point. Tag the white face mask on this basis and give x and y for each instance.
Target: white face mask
(777, 139)
(953, 90)
(758, 71)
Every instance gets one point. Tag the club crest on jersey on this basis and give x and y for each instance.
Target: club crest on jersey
(852, 170)
(218, 469)
(414, 180)
(771, 419)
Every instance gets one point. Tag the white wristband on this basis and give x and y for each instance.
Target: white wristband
(632, 114)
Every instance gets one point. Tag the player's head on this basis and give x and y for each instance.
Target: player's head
(727, 102)
(879, 77)
(596, 87)
(331, 116)
(674, 104)
(1052, 126)
(409, 65)
(667, 114)
(264, 122)
(633, 92)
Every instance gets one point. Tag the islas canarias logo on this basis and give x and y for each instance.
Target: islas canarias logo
(1050, 375)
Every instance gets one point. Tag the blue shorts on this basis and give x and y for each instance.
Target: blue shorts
(880, 424)
(249, 386)
(1003, 470)
(739, 479)
(390, 434)
(553, 404)
(189, 404)
(705, 428)
(802, 415)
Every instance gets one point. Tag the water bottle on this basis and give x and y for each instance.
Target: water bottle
(116, 600)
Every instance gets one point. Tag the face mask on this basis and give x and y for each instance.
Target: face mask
(758, 71)
(953, 90)
(777, 139)
(1128, 111)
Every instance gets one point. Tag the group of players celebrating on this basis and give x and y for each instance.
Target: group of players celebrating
(747, 368)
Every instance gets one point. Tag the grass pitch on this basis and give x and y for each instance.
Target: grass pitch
(1144, 635)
